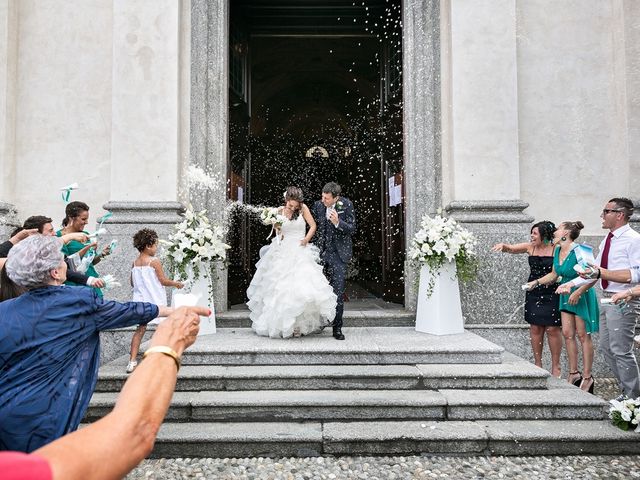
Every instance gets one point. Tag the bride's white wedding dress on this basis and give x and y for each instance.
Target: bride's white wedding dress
(289, 294)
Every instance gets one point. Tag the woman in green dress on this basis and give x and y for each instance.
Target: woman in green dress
(579, 313)
(76, 218)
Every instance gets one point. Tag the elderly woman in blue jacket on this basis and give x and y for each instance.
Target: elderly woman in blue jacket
(50, 345)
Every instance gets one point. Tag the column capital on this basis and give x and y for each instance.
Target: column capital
(489, 211)
(144, 212)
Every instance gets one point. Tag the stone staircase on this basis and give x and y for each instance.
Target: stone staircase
(384, 390)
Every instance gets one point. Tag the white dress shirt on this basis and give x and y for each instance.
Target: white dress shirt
(624, 254)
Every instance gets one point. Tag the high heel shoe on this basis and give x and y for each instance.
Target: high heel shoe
(576, 381)
(591, 387)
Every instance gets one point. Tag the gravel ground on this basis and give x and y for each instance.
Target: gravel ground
(390, 468)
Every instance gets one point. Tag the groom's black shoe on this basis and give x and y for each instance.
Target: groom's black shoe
(337, 334)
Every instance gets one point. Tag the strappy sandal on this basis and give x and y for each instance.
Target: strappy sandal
(575, 381)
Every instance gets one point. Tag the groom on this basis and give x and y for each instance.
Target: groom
(336, 222)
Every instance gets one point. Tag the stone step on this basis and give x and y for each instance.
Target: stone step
(389, 317)
(285, 439)
(363, 346)
(353, 405)
(506, 375)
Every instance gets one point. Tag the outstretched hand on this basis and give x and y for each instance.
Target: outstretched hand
(498, 247)
(180, 329)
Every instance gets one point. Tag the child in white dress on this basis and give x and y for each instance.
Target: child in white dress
(148, 281)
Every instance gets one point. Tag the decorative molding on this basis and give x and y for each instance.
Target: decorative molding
(489, 211)
(144, 212)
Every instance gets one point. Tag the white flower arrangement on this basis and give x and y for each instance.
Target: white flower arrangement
(195, 241)
(272, 216)
(625, 414)
(441, 240)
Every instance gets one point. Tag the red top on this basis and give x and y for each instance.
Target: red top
(21, 466)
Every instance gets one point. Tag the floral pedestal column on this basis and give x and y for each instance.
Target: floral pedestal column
(439, 313)
(198, 292)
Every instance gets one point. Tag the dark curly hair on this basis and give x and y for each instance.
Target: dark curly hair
(295, 194)
(546, 229)
(73, 210)
(144, 238)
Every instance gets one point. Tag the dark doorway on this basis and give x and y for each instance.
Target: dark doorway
(315, 96)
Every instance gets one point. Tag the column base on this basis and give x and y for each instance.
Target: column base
(127, 219)
(495, 296)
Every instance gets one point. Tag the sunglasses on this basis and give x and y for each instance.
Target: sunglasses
(609, 210)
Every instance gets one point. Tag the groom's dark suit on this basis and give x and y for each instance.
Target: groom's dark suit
(336, 247)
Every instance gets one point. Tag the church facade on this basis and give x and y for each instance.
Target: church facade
(504, 111)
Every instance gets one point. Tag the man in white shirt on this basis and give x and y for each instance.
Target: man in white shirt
(619, 250)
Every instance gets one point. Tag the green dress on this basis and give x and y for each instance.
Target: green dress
(587, 307)
(72, 247)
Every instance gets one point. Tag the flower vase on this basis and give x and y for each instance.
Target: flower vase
(439, 312)
(198, 292)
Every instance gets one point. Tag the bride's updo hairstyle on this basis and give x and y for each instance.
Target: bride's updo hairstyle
(295, 194)
(573, 228)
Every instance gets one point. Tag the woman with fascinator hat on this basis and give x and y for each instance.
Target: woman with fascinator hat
(289, 296)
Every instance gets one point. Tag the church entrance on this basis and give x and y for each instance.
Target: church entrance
(316, 96)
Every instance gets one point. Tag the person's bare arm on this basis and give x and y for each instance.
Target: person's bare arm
(77, 236)
(515, 248)
(550, 277)
(306, 214)
(113, 446)
(164, 281)
(619, 276)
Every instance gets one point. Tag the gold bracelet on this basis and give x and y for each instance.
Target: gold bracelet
(167, 351)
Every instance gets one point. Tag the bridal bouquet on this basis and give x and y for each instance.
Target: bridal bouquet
(195, 241)
(441, 240)
(271, 216)
(625, 414)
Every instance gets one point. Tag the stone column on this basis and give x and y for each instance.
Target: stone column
(209, 112)
(8, 73)
(421, 92)
(481, 171)
(145, 146)
(149, 132)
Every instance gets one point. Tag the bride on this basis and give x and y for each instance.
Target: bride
(289, 295)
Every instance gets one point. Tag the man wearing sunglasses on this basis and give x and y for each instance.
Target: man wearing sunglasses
(620, 250)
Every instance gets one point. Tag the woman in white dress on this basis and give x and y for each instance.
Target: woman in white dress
(289, 295)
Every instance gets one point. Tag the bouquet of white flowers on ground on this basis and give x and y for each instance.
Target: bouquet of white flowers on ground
(195, 241)
(625, 414)
(441, 240)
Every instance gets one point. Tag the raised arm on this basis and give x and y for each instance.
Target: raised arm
(515, 248)
(126, 435)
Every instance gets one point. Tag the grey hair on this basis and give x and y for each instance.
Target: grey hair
(30, 262)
